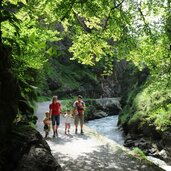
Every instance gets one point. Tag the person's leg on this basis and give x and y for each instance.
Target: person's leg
(57, 124)
(53, 124)
(45, 130)
(45, 134)
(81, 122)
(76, 119)
(65, 127)
(68, 127)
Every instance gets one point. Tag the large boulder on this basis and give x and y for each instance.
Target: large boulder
(26, 150)
(109, 105)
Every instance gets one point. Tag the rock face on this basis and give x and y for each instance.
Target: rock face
(98, 108)
(27, 151)
(8, 93)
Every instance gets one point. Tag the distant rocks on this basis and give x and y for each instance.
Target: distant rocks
(99, 108)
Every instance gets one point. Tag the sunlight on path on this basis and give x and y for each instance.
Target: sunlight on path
(89, 152)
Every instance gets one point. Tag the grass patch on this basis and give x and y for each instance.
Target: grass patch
(138, 153)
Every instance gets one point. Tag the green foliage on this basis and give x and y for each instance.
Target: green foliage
(32, 46)
(151, 106)
(98, 30)
(90, 109)
(139, 153)
(69, 78)
(24, 31)
(91, 52)
(67, 104)
(134, 34)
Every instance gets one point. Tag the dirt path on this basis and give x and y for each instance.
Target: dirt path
(91, 151)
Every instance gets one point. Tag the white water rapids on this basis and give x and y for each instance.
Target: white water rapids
(107, 126)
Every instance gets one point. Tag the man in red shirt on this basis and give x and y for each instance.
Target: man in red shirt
(79, 107)
(55, 110)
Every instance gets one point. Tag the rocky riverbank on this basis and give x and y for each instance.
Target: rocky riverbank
(160, 149)
(149, 141)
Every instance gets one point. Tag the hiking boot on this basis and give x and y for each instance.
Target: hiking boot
(75, 131)
(82, 131)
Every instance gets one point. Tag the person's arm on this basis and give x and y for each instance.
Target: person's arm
(74, 105)
(75, 111)
(50, 111)
(44, 121)
(84, 106)
(60, 109)
(64, 115)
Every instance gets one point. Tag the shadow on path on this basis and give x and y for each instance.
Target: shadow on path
(104, 159)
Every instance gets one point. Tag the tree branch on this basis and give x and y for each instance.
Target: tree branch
(81, 22)
(69, 10)
(109, 15)
(144, 20)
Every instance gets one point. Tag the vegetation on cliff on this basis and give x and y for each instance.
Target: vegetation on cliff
(148, 108)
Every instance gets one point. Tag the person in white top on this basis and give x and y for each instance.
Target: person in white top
(68, 120)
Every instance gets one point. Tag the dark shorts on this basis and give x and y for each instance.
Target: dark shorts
(46, 128)
(55, 119)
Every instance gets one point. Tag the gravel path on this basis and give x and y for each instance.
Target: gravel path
(91, 151)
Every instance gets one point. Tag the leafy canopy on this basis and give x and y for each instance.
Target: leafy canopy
(99, 29)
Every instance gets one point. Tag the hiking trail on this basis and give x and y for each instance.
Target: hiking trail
(91, 151)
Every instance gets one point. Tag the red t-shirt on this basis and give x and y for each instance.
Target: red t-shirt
(56, 108)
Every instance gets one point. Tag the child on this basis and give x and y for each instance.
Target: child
(47, 122)
(68, 119)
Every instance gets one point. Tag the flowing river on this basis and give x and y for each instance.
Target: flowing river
(108, 127)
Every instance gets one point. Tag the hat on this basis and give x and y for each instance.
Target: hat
(79, 96)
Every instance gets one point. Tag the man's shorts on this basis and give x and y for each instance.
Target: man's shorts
(55, 119)
(79, 118)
